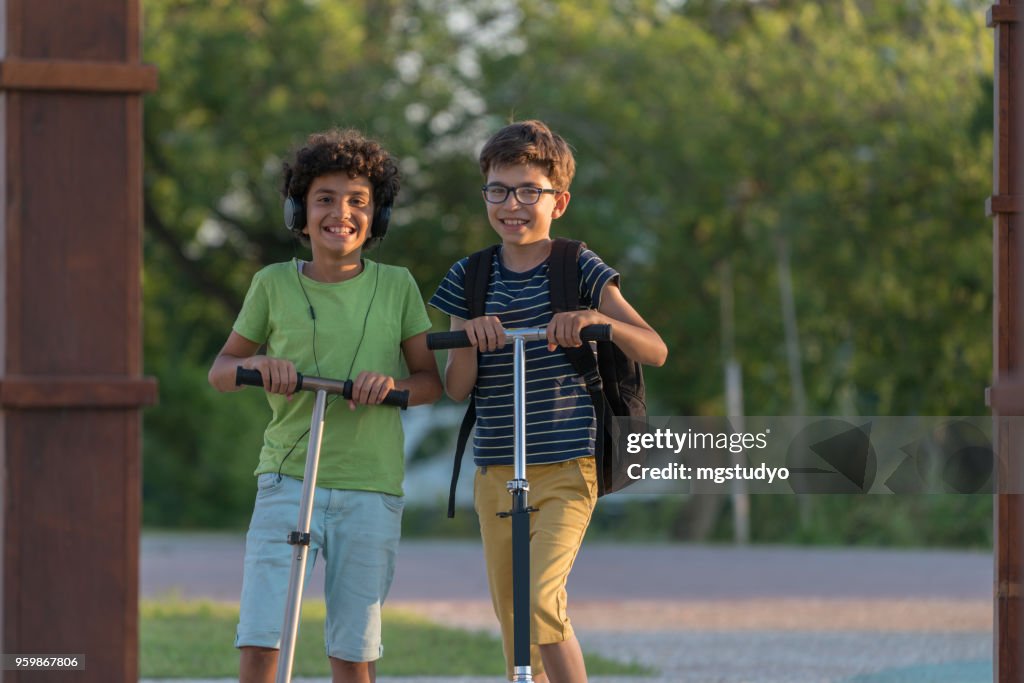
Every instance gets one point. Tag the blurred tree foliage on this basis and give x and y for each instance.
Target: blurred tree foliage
(851, 135)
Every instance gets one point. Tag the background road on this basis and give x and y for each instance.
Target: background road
(210, 566)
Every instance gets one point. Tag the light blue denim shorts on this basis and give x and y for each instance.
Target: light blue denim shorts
(357, 533)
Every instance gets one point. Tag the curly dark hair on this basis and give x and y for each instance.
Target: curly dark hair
(342, 151)
(530, 142)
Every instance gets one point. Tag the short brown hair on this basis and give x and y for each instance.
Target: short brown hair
(530, 142)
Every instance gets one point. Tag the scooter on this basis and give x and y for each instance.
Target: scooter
(299, 538)
(519, 487)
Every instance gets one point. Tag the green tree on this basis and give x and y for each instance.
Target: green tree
(706, 132)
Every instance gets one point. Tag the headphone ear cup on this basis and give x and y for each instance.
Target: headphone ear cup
(294, 214)
(381, 218)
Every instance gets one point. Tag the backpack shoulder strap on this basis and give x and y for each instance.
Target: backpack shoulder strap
(564, 288)
(564, 285)
(478, 275)
(563, 274)
(460, 448)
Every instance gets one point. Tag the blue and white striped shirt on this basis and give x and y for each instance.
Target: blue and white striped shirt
(560, 422)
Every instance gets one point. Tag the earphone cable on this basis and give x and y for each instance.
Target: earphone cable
(355, 355)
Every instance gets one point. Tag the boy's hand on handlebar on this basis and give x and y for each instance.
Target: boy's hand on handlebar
(370, 388)
(279, 375)
(485, 333)
(564, 328)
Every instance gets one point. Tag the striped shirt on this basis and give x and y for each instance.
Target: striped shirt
(560, 422)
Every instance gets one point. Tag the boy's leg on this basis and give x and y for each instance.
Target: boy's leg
(361, 533)
(257, 665)
(564, 661)
(352, 672)
(568, 492)
(268, 560)
(491, 496)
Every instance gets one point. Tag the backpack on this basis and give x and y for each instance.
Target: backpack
(614, 381)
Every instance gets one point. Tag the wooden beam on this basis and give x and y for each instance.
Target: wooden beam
(1002, 203)
(1009, 589)
(1002, 14)
(34, 392)
(1007, 395)
(112, 77)
(1007, 398)
(71, 382)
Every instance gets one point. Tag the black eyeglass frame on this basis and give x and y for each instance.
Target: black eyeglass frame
(514, 191)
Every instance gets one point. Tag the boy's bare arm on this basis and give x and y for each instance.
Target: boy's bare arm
(485, 334)
(460, 371)
(279, 375)
(423, 382)
(630, 331)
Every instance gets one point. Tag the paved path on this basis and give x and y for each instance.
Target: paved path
(210, 565)
(696, 614)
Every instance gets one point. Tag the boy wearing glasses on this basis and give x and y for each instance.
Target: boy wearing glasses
(528, 169)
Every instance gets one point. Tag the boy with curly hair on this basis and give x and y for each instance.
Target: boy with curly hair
(342, 316)
(527, 170)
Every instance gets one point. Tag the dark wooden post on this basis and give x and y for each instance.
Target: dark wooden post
(71, 389)
(1008, 345)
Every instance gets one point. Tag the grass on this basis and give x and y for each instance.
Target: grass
(182, 639)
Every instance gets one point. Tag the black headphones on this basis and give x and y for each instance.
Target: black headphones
(295, 217)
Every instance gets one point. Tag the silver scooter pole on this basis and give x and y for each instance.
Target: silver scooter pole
(299, 539)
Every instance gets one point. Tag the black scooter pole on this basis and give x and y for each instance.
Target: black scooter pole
(522, 672)
(519, 487)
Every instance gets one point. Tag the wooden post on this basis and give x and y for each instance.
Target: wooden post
(1008, 345)
(71, 388)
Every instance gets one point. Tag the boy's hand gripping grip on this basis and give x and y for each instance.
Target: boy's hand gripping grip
(459, 339)
(253, 378)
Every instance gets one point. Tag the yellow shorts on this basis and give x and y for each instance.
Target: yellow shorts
(565, 494)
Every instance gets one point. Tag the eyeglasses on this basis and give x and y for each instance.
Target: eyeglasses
(524, 194)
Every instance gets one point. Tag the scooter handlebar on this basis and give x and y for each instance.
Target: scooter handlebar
(254, 378)
(596, 333)
(448, 340)
(395, 397)
(459, 339)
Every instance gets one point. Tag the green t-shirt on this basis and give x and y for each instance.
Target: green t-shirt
(361, 449)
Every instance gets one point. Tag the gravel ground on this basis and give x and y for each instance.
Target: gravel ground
(774, 641)
(791, 657)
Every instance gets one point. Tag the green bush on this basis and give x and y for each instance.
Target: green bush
(939, 520)
(200, 448)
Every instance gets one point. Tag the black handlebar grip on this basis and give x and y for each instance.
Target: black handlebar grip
(250, 378)
(395, 397)
(448, 340)
(254, 378)
(596, 333)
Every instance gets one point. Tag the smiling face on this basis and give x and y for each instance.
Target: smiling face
(339, 213)
(524, 224)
